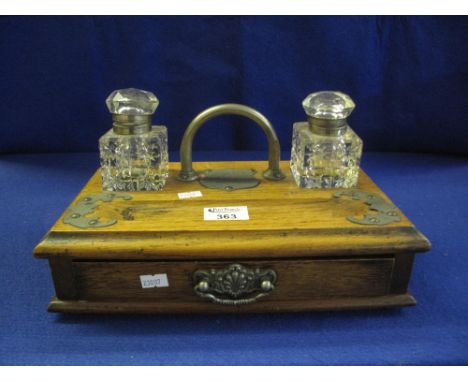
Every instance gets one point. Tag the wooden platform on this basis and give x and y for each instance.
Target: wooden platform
(321, 259)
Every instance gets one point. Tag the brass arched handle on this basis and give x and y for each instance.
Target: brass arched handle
(187, 173)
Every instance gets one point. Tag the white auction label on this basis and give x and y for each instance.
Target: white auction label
(154, 281)
(191, 194)
(226, 213)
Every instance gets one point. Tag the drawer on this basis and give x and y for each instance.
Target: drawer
(232, 283)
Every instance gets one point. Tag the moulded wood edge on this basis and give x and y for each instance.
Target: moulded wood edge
(80, 306)
(147, 247)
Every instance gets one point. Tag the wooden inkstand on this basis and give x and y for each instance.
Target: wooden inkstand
(300, 249)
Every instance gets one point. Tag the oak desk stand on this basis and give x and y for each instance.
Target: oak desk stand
(300, 250)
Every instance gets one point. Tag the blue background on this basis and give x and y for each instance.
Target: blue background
(409, 78)
(407, 75)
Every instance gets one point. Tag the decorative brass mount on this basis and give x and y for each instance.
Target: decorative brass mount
(381, 212)
(231, 285)
(187, 174)
(76, 215)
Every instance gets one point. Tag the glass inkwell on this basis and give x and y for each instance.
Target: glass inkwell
(326, 152)
(134, 154)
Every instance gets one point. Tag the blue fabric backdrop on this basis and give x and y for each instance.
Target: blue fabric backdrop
(408, 76)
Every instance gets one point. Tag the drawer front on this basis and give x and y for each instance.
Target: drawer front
(291, 280)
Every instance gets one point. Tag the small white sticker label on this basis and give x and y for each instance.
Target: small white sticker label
(191, 194)
(226, 213)
(154, 281)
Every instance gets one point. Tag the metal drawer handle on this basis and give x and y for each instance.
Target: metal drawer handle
(234, 285)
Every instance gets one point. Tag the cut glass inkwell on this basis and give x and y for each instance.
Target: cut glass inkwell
(326, 152)
(134, 154)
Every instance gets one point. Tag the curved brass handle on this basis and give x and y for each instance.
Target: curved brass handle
(225, 301)
(234, 284)
(187, 173)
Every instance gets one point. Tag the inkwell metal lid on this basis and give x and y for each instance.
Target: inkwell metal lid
(131, 110)
(327, 112)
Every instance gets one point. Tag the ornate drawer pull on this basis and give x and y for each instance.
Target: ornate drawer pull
(234, 285)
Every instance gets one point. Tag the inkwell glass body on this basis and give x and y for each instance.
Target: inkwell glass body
(326, 152)
(134, 154)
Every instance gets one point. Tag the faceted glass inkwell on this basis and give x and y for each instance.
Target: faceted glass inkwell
(326, 152)
(134, 154)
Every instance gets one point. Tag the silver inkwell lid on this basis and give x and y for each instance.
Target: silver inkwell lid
(327, 112)
(131, 110)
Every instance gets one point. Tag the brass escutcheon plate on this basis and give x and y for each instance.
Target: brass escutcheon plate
(228, 179)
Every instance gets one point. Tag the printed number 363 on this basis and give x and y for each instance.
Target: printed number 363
(226, 216)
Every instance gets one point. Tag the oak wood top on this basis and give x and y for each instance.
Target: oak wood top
(285, 221)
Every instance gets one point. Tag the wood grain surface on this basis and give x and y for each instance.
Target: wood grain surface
(323, 261)
(297, 280)
(285, 221)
